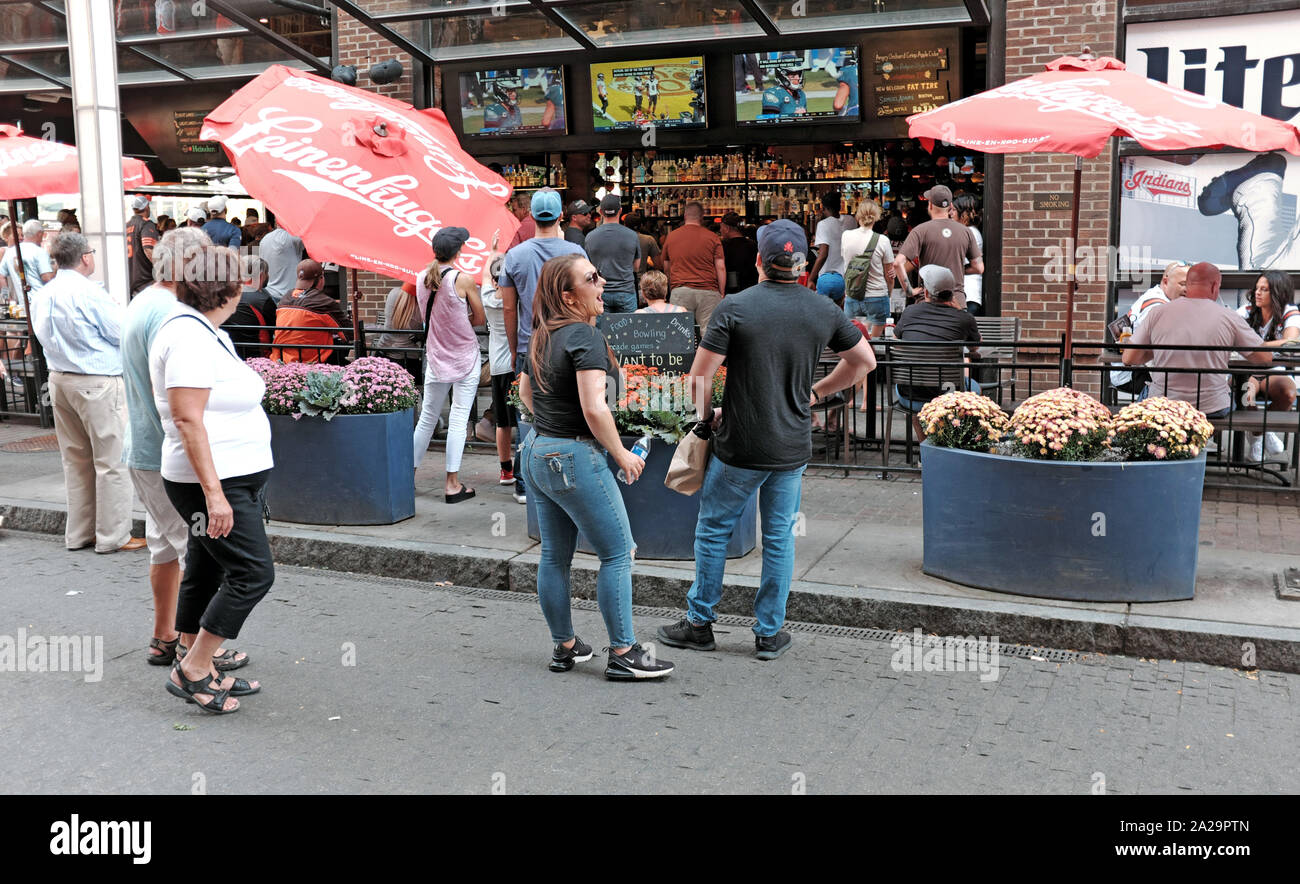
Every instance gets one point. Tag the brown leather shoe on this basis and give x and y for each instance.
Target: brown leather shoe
(133, 543)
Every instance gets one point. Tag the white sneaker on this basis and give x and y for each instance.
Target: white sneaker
(1274, 443)
(1256, 448)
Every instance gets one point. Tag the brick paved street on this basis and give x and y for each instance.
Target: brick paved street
(449, 689)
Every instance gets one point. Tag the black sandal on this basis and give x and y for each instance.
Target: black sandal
(240, 688)
(188, 690)
(168, 655)
(225, 661)
(465, 493)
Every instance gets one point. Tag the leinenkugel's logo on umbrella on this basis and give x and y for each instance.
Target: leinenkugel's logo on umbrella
(36, 153)
(318, 171)
(1076, 95)
(1159, 184)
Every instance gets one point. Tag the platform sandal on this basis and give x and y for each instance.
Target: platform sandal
(187, 691)
(225, 661)
(168, 655)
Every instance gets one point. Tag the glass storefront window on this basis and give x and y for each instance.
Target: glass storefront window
(238, 55)
(482, 36)
(831, 15)
(26, 23)
(655, 21)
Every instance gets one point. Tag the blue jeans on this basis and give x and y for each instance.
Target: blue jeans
(619, 302)
(723, 496)
(574, 490)
(874, 310)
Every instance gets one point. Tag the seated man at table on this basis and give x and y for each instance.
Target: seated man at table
(936, 318)
(1196, 319)
(306, 309)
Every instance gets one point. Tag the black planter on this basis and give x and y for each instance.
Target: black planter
(1081, 531)
(352, 470)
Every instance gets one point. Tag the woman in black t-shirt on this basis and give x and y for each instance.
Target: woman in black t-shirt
(566, 472)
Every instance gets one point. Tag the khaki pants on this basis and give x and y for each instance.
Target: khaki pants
(701, 302)
(90, 422)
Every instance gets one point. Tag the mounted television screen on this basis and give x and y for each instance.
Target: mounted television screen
(810, 85)
(668, 92)
(517, 101)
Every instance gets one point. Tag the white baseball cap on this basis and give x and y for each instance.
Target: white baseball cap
(139, 203)
(217, 204)
(196, 214)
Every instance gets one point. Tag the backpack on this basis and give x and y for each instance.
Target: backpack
(855, 275)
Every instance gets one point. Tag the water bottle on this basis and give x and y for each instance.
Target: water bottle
(889, 327)
(640, 448)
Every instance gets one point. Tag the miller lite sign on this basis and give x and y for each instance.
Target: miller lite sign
(1248, 61)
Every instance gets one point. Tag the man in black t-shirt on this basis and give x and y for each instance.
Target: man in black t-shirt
(772, 335)
(141, 237)
(739, 252)
(937, 318)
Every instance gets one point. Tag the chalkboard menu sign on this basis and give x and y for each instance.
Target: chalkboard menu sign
(907, 80)
(188, 124)
(663, 340)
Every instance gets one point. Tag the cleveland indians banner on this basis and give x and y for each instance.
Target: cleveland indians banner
(364, 180)
(1237, 211)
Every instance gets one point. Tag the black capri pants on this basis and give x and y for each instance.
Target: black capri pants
(226, 576)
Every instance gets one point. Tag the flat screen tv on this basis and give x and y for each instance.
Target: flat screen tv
(666, 92)
(514, 101)
(800, 86)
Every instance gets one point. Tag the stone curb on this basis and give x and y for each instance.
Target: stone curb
(1039, 625)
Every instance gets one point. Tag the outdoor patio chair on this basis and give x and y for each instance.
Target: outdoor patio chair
(906, 366)
(990, 377)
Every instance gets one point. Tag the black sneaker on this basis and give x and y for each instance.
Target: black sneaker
(769, 647)
(636, 664)
(562, 658)
(685, 634)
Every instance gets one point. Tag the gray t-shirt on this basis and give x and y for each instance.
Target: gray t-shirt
(613, 249)
(521, 269)
(772, 335)
(281, 252)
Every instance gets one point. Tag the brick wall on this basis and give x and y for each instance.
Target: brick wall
(1039, 31)
(360, 46)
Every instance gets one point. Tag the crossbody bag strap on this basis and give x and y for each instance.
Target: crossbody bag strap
(428, 305)
(201, 321)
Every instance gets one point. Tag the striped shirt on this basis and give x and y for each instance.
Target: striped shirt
(79, 325)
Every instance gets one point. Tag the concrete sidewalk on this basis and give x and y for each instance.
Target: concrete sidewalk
(858, 565)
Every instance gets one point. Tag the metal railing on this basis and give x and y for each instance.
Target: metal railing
(883, 440)
(24, 387)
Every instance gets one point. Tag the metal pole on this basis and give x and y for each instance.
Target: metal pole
(1074, 259)
(358, 344)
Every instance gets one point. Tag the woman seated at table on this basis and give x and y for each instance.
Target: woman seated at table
(1276, 319)
(654, 291)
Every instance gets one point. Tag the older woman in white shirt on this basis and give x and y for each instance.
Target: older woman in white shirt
(216, 457)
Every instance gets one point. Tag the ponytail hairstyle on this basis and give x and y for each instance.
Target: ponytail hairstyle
(551, 313)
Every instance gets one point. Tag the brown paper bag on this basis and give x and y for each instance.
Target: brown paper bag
(690, 460)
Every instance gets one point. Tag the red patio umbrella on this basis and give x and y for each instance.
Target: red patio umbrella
(33, 166)
(1076, 105)
(364, 180)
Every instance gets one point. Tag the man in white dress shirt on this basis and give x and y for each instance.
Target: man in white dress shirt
(80, 327)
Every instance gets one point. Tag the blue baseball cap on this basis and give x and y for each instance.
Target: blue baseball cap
(784, 244)
(546, 205)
